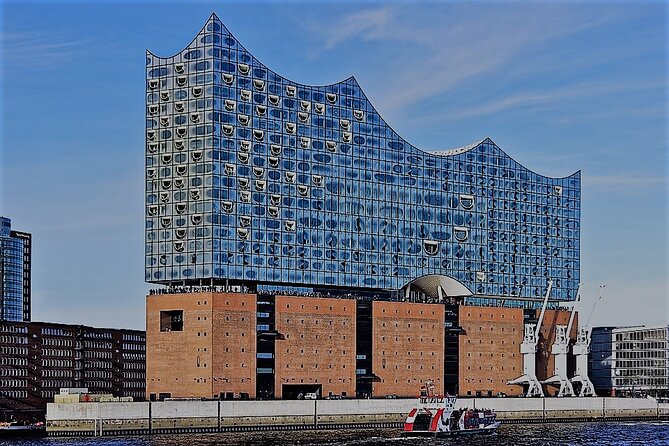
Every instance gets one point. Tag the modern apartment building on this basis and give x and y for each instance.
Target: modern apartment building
(280, 196)
(39, 358)
(15, 254)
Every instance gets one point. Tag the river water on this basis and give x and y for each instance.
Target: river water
(573, 434)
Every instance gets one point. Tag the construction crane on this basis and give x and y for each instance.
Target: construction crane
(560, 350)
(529, 351)
(581, 350)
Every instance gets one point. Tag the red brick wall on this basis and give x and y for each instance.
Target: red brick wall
(319, 344)
(408, 347)
(490, 350)
(165, 349)
(216, 351)
(234, 343)
(191, 363)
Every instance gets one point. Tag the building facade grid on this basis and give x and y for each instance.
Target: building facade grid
(39, 358)
(15, 261)
(252, 178)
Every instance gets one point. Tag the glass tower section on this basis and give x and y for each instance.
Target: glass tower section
(252, 178)
(14, 273)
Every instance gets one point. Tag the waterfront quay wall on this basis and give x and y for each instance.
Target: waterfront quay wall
(223, 416)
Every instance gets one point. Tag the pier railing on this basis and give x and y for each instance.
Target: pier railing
(90, 419)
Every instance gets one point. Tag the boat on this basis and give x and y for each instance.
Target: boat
(21, 428)
(437, 416)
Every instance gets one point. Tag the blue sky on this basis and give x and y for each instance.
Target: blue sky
(560, 86)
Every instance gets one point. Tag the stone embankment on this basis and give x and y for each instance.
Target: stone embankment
(90, 419)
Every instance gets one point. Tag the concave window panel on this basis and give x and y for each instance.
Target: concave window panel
(243, 69)
(461, 233)
(227, 206)
(431, 247)
(466, 201)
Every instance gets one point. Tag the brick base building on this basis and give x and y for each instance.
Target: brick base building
(265, 346)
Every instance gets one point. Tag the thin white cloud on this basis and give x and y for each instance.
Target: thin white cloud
(448, 49)
(552, 96)
(19, 48)
(371, 24)
(624, 180)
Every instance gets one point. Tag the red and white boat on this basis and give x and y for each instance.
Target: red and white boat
(437, 416)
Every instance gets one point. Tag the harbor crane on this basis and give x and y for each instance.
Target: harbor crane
(581, 350)
(529, 351)
(560, 350)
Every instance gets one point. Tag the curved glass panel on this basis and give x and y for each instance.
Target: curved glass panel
(322, 173)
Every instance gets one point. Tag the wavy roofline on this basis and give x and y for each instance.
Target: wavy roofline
(215, 17)
(457, 150)
(469, 147)
(433, 152)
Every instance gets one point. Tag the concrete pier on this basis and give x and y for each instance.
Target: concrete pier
(91, 419)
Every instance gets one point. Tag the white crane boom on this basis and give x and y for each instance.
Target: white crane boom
(573, 309)
(588, 324)
(543, 309)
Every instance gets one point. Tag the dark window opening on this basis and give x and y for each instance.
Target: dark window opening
(172, 320)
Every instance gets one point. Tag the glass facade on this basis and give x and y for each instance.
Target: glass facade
(14, 273)
(252, 178)
(640, 360)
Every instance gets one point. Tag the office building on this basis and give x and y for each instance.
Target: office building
(264, 191)
(600, 360)
(15, 253)
(630, 360)
(39, 358)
